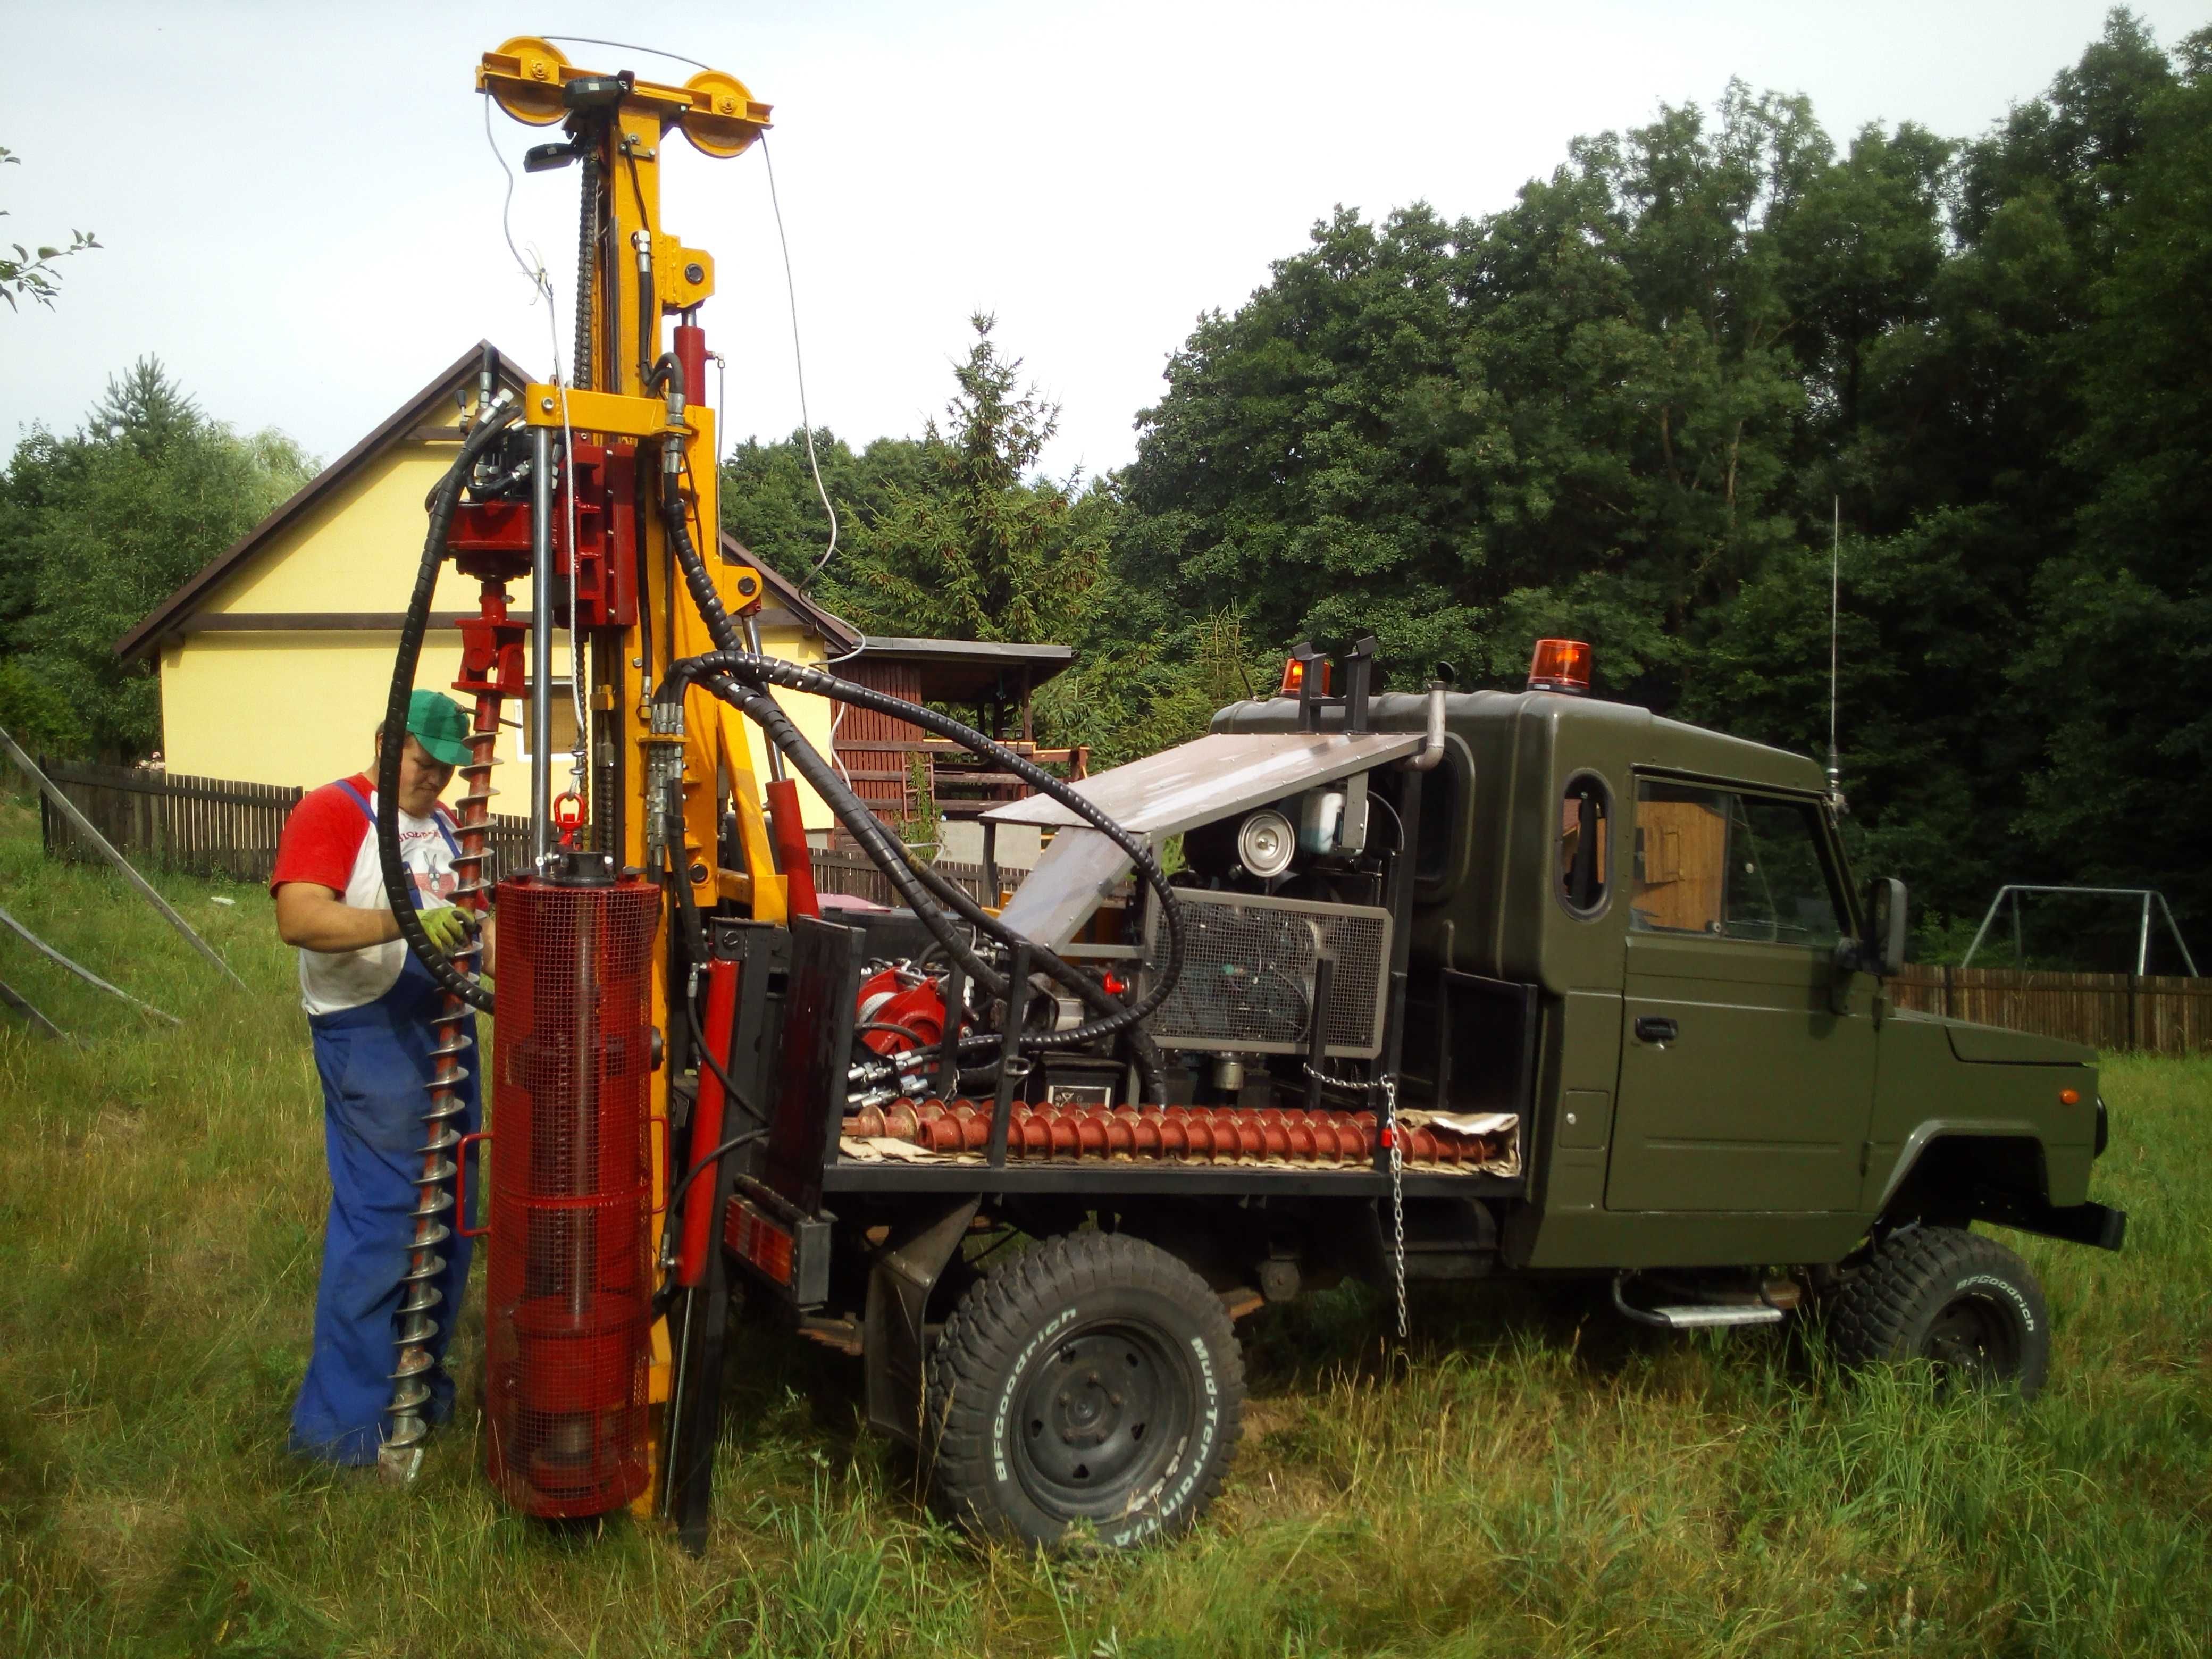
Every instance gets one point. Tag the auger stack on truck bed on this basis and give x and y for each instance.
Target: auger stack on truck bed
(1445, 986)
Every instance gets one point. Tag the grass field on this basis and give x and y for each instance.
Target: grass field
(1531, 1478)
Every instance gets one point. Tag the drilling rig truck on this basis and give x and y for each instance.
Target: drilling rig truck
(1443, 985)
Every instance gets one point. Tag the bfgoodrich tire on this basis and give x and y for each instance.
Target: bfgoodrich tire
(1964, 1303)
(1093, 1379)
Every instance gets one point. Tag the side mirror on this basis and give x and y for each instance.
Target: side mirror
(1882, 951)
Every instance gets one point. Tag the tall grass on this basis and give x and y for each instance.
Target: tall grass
(1532, 1477)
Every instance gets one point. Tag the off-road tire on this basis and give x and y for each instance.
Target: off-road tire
(1964, 1303)
(1093, 1378)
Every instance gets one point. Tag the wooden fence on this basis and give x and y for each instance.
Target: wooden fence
(198, 826)
(2155, 1013)
(849, 871)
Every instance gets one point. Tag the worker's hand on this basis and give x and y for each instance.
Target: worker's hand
(447, 927)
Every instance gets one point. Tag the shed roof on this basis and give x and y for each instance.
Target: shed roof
(970, 671)
(179, 608)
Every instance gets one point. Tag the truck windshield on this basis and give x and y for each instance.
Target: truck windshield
(1736, 866)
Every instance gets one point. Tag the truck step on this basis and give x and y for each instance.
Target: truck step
(1690, 1317)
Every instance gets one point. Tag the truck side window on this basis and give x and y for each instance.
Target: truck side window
(1584, 851)
(1736, 866)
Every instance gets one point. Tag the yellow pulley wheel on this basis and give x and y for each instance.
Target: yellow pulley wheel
(523, 78)
(723, 118)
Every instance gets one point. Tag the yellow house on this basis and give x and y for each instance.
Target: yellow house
(276, 658)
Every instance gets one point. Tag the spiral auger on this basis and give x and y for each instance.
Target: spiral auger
(419, 1322)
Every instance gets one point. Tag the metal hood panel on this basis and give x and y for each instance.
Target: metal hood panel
(1212, 776)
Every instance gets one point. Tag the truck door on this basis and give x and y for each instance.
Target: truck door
(1741, 1089)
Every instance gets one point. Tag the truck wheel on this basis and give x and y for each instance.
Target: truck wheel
(1094, 1378)
(1964, 1303)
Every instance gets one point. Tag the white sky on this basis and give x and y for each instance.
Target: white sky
(301, 219)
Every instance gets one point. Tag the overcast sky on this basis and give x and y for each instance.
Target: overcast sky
(301, 217)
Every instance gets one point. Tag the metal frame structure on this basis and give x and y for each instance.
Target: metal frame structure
(2145, 894)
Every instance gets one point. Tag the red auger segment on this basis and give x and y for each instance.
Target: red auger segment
(1206, 1134)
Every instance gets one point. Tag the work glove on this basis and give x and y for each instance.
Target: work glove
(448, 927)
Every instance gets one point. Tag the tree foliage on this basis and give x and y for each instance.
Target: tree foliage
(31, 273)
(96, 529)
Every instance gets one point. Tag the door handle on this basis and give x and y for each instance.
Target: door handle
(1656, 1028)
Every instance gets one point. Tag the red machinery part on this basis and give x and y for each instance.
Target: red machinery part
(1210, 1135)
(789, 836)
(568, 1277)
(893, 997)
(707, 1119)
(691, 353)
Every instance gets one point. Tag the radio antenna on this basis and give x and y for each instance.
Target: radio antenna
(1835, 595)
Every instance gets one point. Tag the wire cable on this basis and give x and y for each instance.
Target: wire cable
(799, 363)
(625, 45)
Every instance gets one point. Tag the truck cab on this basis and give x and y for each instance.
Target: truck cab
(1719, 1076)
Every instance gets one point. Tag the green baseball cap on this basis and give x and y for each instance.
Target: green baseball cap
(437, 723)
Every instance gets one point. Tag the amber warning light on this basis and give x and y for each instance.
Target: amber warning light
(1561, 665)
(1294, 675)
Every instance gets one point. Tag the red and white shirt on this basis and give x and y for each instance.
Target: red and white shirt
(329, 840)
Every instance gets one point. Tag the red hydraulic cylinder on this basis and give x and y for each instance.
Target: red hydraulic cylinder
(707, 1119)
(789, 835)
(692, 352)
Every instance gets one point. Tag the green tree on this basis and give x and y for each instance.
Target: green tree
(975, 547)
(96, 529)
(2119, 660)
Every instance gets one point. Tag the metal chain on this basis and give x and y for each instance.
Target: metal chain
(1387, 1086)
(1397, 1195)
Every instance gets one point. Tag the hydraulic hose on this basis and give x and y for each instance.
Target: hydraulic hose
(741, 677)
(443, 500)
(727, 673)
(1151, 1063)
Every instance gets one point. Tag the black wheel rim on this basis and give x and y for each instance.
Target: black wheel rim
(1974, 1339)
(1101, 1420)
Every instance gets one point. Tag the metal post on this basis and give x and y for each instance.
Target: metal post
(541, 646)
(753, 645)
(83, 826)
(1011, 1067)
(948, 1049)
(2019, 944)
(2142, 941)
(1317, 1032)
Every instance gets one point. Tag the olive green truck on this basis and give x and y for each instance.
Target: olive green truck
(1458, 985)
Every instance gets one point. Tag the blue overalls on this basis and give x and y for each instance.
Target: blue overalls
(374, 1061)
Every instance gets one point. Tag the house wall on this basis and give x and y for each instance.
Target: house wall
(300, 707)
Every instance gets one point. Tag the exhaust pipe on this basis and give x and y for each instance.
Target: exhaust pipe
(1432, 747)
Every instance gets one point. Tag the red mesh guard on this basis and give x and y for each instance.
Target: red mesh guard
(568, 1278)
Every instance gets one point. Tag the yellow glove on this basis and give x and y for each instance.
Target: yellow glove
(448, 927)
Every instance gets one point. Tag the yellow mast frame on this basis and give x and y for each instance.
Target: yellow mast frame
(529, 79)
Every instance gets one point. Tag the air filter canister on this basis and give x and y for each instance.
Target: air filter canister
(568, 1279)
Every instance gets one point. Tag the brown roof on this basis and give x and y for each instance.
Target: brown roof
(202, 585)
(839, 635)
(174, 612)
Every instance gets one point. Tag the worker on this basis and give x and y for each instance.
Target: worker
(370, 1005)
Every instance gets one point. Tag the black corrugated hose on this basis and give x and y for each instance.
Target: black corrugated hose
(397, 891)
(741, 677)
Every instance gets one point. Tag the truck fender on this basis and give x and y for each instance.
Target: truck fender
(1935, 1129)
(2025, 1205)
(905, 1271)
